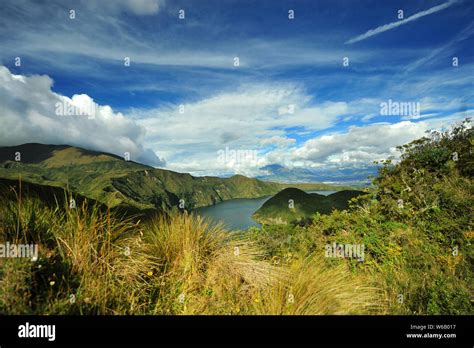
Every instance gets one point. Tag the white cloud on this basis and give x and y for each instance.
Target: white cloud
(29, 113)
(360, 146)
(249, 118)
(389, 26)
(256, 117)
(253, 118)
(278, 141)
(365, 144)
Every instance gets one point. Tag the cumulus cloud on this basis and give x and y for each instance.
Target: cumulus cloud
(359, 145)
(261, 117)
(249, 118)
(32, 112)
(254, 119)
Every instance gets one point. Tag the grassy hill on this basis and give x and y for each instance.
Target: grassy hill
(293, 205)
(113, 181)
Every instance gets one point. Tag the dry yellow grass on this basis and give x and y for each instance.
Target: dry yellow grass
(181, 264)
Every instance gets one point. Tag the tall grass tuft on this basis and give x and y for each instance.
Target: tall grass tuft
(91, 261)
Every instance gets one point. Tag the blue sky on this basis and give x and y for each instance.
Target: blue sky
(285, 64)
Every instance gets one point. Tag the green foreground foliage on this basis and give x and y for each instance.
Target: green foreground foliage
(414, 223)
(91, 262)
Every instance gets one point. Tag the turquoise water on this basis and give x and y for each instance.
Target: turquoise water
(236, 214)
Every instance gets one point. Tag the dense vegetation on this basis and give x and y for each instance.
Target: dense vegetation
(415, 224)
(92, 262)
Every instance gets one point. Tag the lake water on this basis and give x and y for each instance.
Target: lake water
(236, 214)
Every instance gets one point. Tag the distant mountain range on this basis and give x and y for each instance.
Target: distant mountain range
(292, 205)
(353, 176)
(111, 180)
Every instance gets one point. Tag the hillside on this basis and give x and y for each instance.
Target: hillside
(293, 205)
(113, 181)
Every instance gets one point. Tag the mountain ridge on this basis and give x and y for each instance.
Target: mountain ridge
(114, 181)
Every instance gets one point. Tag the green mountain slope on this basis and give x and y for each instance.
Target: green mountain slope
(293, 205)
(113, 181)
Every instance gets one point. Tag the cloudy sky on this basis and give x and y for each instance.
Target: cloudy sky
(302, 92)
